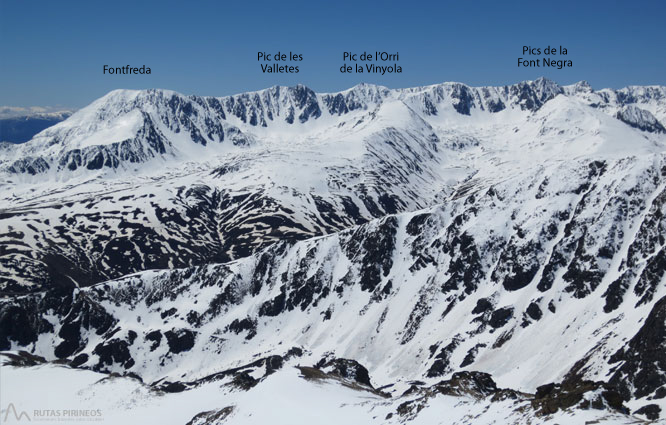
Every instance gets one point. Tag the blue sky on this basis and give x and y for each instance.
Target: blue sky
(52, 53)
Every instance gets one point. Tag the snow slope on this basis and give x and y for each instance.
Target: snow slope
(285, 399)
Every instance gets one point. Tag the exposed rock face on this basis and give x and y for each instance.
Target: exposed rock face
(584, 394)
(640, 364)
(650, 411)
(549, 399)
(640, 118)
(213, 417)
(346, 369)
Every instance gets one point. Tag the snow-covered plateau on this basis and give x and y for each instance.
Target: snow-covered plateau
(440, 254)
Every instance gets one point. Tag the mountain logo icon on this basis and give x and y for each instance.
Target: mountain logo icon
(18, 416)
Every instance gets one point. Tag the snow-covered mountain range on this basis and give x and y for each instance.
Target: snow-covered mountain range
(495, 251)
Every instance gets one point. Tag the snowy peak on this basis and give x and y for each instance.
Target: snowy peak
(532, 95)
(290, 104)
(362, 96)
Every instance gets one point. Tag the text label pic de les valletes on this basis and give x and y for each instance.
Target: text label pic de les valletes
(276, 68)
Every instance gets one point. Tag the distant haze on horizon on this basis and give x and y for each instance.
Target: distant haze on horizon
(53, 54)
